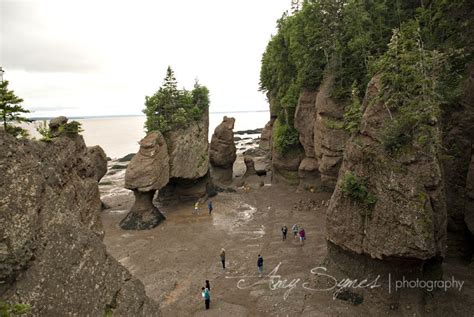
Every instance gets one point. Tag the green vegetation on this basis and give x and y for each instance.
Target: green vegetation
(357, 190)
(45, 132)
(9, 310)
(410, 79)
(354, 39)
(353, 113)
(69, 129)
(170, 108)
(285, 137)
(11, 110)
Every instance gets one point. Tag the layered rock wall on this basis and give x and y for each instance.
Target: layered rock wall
(51, 251)
(329, 134)
(403, 213)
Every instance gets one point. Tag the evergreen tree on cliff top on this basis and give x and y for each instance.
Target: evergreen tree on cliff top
(172, 108)
(11, 110)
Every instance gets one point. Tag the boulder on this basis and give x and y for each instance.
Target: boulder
(308, 172)
(222, 152)
(52, 256)
(55, 123)
(249, 166)
(386, 205)
(147, 172)
(97, 162)
(304, 120)
(329, 134)
(285, 166)
(266, 136)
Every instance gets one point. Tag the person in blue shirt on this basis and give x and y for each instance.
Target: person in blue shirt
(209, 205)
(206, 296)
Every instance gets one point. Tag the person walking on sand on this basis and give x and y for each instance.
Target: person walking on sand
(196, 207)
(302, 236)
(209, 206)
(284, 231)
(206, 297)
(260, 265)
(222, 255)
(295, 230)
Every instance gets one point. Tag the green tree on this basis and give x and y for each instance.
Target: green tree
(11, 110)
(171, 108)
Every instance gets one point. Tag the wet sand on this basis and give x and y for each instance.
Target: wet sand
(174, 259)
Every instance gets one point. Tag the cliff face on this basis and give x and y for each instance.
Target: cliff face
(51, 250)
(385, 204)
(329, 134)
(458, 141)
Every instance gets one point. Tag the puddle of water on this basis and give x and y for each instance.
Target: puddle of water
(235, 222)
(120, 211)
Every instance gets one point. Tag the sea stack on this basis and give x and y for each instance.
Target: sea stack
(222, 152)
(388, 212)
(147, 172)
(188, 149)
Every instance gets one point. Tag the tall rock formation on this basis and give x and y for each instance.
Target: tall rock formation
(388, 211)
(222, 152)
(308, 170)
(188, 149)
(329, 133)
(51, 252)
(147, 172)
(97, 162)
(266, 135)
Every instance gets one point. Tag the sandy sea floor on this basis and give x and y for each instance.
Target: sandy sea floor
(174, 259)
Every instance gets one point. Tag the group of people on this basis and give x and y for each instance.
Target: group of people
(209, 207)
(296, 231)
(206, 290)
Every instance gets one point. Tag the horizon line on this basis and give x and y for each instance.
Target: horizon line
(133, 115)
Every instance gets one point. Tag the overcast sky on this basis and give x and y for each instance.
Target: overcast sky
(101, 57)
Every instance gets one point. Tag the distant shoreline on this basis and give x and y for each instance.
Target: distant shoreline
(134, 115)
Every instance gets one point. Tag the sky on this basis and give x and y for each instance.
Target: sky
(102, 57)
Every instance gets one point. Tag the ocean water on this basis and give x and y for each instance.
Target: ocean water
(119, 136)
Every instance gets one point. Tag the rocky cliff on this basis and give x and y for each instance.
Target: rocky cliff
(385, 204)
(329, 133)
(51, 251)
(458, 139)
(305, 118)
